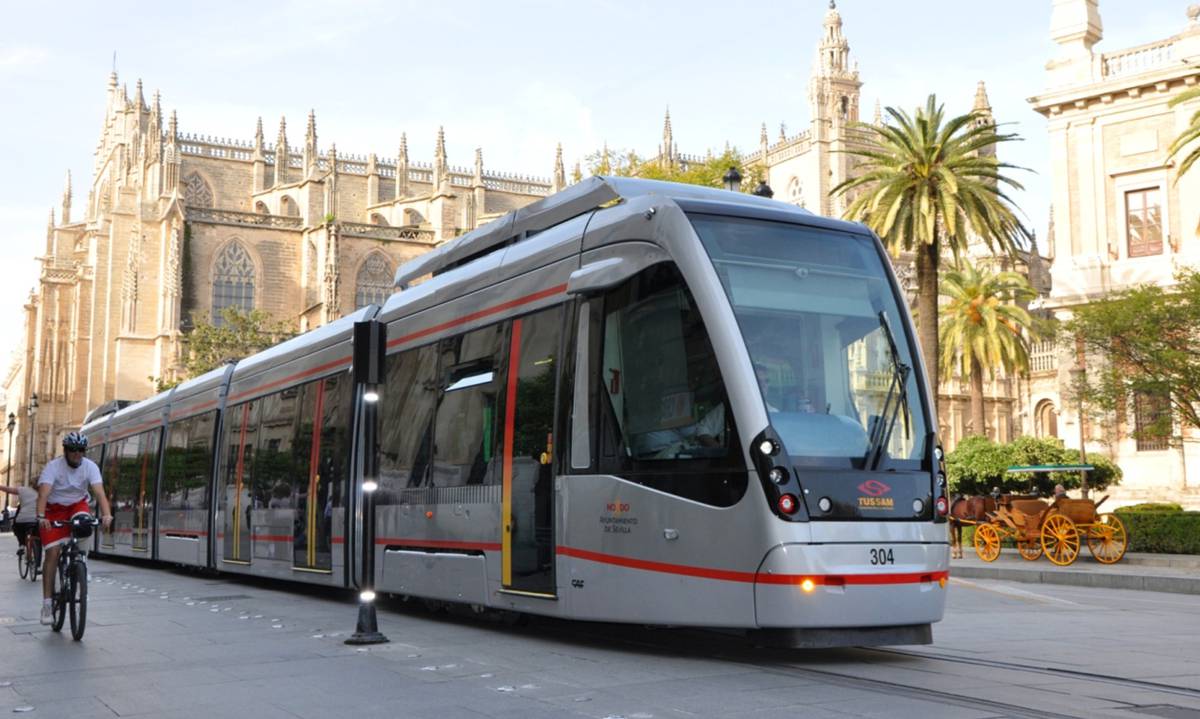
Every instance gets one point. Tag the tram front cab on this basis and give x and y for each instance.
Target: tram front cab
(848, 449)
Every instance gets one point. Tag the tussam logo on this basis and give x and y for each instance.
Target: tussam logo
(874, 488)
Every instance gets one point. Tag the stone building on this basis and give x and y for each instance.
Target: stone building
(1122, 216)
(177, 225)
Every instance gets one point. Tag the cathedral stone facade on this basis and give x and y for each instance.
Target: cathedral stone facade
(178, 226)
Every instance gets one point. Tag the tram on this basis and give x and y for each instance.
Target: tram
(631, 401)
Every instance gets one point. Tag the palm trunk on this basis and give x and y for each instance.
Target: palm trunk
(927, 317)
(978, 424)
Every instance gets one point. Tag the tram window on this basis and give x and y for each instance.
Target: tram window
(466, 435)
(187, 466)
(666, 422)
(235, 498)
(275, 470)
(320, 456)
(406, 409)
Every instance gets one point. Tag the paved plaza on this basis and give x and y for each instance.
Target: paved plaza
(167, 643)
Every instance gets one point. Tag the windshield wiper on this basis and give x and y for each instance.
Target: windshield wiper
(897, 397)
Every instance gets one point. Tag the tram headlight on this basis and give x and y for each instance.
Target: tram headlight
(778, 475)
(768, 447)
(937, 453)
(941, 480)
(825, 504)
(918, 506)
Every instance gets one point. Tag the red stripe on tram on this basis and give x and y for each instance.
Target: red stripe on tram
(832, 580)
(557, 289)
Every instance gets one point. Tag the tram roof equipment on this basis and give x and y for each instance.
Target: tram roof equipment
(589, 194)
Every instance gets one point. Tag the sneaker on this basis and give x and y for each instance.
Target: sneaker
(47, 614)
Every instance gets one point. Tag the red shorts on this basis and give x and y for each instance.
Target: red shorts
(55, 536)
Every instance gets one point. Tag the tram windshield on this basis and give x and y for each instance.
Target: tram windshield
(816, 308)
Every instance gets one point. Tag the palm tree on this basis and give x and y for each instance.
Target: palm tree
(926, 183)
(983, 329)
(1190, 133)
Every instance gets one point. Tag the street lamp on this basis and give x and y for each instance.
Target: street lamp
(1079, 380)
(33, 408)
(12, 424)
(733, 179)
(763, 190)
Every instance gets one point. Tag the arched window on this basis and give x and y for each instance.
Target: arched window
(196, 192)
(1047, 419)
(233, 281)
(288, 207)
(378, 219)
(412, 217)
(374, 283)
(261, 208)
(795, 194)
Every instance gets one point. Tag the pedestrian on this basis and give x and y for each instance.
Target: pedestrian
(26, 520)
(1060, 492)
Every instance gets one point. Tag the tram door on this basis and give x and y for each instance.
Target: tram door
(235, 495)
(527, 545)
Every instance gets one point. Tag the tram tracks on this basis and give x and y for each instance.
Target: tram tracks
(1046, 670)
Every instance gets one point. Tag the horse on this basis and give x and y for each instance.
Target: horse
(967, 510)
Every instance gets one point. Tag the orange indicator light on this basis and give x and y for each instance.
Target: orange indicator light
(429, 515)
(942, 582)
(808, 585)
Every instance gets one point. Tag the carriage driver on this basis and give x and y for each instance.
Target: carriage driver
(62, 493)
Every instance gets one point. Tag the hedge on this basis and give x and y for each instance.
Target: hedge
(1165, 532)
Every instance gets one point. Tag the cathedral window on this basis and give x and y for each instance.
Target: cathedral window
(1143, 222)
(233, 281)
(288, 207)
(374, 283)
(196, 192)
(795, 193)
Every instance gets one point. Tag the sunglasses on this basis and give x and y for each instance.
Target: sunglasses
(75, 449)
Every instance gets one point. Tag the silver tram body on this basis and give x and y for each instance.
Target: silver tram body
(632, 401)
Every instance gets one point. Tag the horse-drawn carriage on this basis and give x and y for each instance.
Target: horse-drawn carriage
(1057, 528)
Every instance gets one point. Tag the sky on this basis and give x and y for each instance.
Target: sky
(513, 78)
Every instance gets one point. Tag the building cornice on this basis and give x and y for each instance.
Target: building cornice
(1081, 98)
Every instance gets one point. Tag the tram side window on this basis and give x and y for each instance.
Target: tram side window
(666, 422)
(275, 471)
(199, 465)
(407, 404)
(467, 436)
(241, 435)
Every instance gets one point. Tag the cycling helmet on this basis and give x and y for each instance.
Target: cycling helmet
(75, 441)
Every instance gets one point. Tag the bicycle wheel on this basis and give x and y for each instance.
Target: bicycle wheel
(60, 598)
(23, 565)
(78, 601)
(35, 570)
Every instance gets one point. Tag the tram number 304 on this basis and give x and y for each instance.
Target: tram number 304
(882, 556)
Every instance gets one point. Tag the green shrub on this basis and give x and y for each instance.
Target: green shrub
(1153, 507)
(1169, 532)
(978, 464)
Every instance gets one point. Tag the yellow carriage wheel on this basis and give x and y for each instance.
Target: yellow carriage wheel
(987, 542)
(1106, 539)
(1060, 539)
(1030, 549)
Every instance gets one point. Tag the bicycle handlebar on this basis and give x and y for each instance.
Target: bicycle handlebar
(66, 523)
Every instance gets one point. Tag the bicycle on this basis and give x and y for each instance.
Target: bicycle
(71, 593)
(29, 559)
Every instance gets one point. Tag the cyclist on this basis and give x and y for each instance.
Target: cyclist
(26, 520)
(62, 493)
